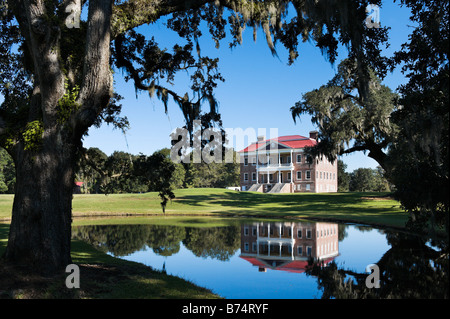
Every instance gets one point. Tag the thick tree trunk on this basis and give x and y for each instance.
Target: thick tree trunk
(40, 231)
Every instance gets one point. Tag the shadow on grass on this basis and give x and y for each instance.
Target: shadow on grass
(358, 206)
(4, 231)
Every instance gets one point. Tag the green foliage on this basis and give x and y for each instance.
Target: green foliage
(368, 180)
(420, 156)
(67, 105)
(7, 173)
(343, 177)
(32, 135)
(349, 117)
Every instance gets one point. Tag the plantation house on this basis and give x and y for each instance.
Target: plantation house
(288, 246)
(280, 165)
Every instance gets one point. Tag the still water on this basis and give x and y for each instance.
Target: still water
(273, 260)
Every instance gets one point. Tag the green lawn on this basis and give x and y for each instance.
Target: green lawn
(370, 208)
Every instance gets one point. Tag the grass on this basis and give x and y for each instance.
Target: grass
(101, 277)
(109, 277)
(368, 208)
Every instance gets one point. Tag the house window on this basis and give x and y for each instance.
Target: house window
(299, 250)
(246, 246)
(309, 159)
(253, 176)
(254, 231)
(308, 233)
(308, 187)
(289, 176)
(299, 174)
(271, 177)
(299, 233)
(245, 161)
(245, 231)
(246, 177)
(254, 161)
(308, 251)
(299, 187)
(254, 247)
(288, 160)
(308, 174)
(320, 175)
(299, 158)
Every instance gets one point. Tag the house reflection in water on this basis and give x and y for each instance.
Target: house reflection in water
(288, 246)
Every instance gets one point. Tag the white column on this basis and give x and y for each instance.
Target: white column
(257, 239)
(257, 166)
(292, 241)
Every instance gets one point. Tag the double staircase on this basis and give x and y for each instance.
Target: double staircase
(280, 188)
(256, 188)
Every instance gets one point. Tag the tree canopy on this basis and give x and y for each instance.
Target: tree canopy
(406, 133)
(349, 118)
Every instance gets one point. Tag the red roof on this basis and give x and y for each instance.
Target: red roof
(295, 266)
(290, 141)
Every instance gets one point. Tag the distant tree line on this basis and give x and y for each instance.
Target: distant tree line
(362, 179)
(123, 172)
(7, 173)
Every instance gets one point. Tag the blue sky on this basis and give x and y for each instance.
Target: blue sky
(258, 91)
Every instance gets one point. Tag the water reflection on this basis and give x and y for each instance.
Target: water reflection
(412, 268)
(121, 240)
(288, 246)
(297, 259)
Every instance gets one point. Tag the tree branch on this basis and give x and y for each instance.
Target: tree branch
(97, 87)
(134, 13)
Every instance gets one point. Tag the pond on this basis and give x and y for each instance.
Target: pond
(254, 259)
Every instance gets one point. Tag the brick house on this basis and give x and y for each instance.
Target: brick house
(280, 165)
(288, 246)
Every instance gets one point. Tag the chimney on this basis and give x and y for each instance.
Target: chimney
(314, 135)
(261, 138)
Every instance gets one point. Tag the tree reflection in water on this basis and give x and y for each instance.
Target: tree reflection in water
(121, 240)
(411, 268)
